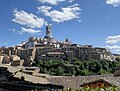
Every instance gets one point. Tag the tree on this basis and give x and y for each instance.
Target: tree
(59, 71)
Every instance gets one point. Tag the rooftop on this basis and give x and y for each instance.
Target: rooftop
(31, 78)
(66, 81)
(55, 53)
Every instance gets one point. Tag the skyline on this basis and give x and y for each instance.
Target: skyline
(82, 21)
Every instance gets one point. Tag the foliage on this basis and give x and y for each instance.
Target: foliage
(77, 67)
(88, 89)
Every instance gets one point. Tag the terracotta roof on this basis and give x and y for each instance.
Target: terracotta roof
(111, 80)
(31, 78)
(66, 81)
(117, 73)
(73, 82)
(11, 69)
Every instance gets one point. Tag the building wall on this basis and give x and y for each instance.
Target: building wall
(54, 56)
(70, 55)
(15, 63)
(22, 53)
(30, 44)
(6, 60)
(6, 51)
(1, 58)
(31, 53)
(35, 48)
(95, 53)
(14, 57)
(98, 84)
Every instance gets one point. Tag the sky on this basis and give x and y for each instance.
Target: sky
(94, 22)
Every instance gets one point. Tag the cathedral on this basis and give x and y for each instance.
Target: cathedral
(48, 40)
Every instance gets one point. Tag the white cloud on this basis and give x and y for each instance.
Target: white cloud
(44, 9)
(29, 20)
(112, 39)
(115, 3)
(28, 30)
(66, 14)
(54, 2)
(114, 48)
(13, 30)
(70, 1)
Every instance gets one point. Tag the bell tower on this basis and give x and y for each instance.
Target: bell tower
(48, 31)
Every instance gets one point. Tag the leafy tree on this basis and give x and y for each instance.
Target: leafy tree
(76, 67)
(59, 71)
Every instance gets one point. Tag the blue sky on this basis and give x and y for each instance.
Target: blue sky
(95, 22)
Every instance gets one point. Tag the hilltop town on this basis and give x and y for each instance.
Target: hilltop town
(17, 63)
(48, 48)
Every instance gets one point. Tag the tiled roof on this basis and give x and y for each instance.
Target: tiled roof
(112, 80)
(11, 69)
(31, 78)
(73, 82)
(117, 73)
(66, 81)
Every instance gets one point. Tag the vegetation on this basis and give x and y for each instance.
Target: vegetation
(77, 67)
(96, 89)
(88, 89)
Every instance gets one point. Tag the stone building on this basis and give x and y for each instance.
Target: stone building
(22, 53)
(6, 50)
(55, 56)
(102, 83)
(1, 57)
(14, 57)
(6, 60)
(16, 61)
(48, 48)
(87, 53)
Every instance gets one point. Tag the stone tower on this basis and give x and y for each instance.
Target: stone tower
(48, 31)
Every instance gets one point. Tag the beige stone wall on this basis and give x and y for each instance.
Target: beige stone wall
(14, 57)
(1, 58)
